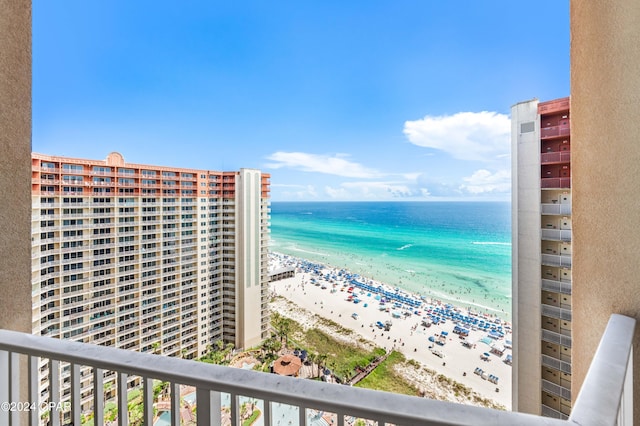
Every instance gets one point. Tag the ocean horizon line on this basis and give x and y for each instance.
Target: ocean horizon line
(432, 294)
(390, 201)
(457, 250)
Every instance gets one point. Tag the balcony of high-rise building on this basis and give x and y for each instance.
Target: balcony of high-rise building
(601, 278)
(221, 391)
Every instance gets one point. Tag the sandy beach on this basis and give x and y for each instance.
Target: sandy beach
(325, 292)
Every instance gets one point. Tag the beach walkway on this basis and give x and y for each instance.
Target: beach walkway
(364, 372)
(329, 293)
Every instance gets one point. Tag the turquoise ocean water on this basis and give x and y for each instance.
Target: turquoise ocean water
(457, 252)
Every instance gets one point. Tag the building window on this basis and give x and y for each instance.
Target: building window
(72, 179)
(72, 167)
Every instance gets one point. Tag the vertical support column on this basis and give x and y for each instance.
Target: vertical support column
(604, 99)
(234, 402)
(147, 392)
(267, 412)
(526, 256)
(302, 416)
(175, 404)
(4, 385)
(123, 411)
(34, 388)
(15, 163)
(14, 385)
(625, 413)
(209, 407)
(98, 396)
(15, 179)
(76, 404)
(54, 391)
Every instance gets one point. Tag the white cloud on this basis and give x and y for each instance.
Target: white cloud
(480, 136)
(337, 193)
(286, 185)
(374, 191)
(311, 191)
(411, 176)
(484, 182)
(333, 165)
(297, 192)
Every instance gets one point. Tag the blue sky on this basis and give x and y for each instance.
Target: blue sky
(338, 100)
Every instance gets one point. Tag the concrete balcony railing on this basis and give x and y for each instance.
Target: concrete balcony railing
(556, 234)
(605, 397)
(556, 286)
(555, 157)
(555, 183)
(555, 209)
(556, 260)
(555, 131)
(557, 338)
(552, 362)
(555, 312)
(556, 389)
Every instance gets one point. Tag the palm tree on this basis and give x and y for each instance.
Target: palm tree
(228, 351)
(218, 352)
(321, 358)
(282, 326)
(313, 358)
(270, 346)
(159, 388)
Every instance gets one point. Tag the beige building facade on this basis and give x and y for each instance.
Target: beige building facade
(605, 127)
(148, 258)
(605, 211)
(542, 236)
(605, 110)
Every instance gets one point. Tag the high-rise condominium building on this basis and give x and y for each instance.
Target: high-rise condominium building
(148, 258)
(541, 212)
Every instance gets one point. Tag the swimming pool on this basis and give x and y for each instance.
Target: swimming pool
(164, 419)
(282, 414)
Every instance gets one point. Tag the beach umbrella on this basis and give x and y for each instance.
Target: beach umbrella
(287, 365)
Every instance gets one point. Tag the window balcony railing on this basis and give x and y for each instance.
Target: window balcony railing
(554, 131)
(558, 286)
(560, 365)
(557, 338)
(556, 260)
(556, 234)
(556, 209)
(555, 312)
(555, 183)
(555, 157)
(605, 398)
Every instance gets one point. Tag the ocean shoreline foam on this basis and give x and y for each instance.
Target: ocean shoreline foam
(321, 289)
